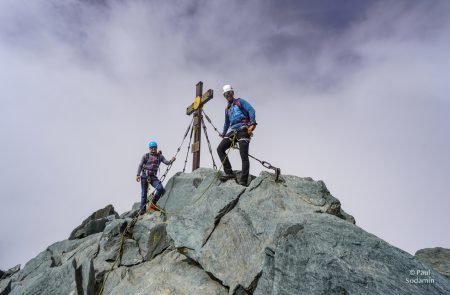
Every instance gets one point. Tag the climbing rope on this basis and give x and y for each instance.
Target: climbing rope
(209, 144)
(118, 252)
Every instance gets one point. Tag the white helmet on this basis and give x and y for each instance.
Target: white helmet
(227, 88)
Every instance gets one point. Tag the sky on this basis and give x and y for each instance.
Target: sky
(354, 93)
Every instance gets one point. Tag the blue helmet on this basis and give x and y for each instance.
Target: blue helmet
(152, 144)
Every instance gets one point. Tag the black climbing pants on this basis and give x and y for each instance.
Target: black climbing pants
(244, 141)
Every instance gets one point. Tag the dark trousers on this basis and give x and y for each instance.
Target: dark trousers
(154, 181)
(244, 141)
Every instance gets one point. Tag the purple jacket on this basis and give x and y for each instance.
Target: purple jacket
(150, 164)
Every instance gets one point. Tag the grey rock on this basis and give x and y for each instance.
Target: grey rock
(34, 267)
(191, 228)
(344, 215)
(169, 273)
(9, 272)
(232, 249)
(438, 258)
(87, 249)
(325, 255)
(5, 286)
(114, 228)
(57, 280)
(233, 252)
(310, 192)
(113, 279)
(94, 223)
(108, 248)
(131, 255)
(289, 237)
(69, 259)
(150, 233)
(59, 249)
(109, 241)
(87, 276)
(182, 189)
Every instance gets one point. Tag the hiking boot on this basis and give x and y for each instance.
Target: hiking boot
(153, 207)
(227, 176)
(243, 182)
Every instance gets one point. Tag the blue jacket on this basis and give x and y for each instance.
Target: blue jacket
(237, 114)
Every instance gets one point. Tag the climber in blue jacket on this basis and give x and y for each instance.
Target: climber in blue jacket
(240, 118)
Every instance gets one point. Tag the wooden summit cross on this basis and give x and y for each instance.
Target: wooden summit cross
(196, 109)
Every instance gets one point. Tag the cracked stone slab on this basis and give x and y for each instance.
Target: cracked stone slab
(325, 255)
(192, 227)
(234, 252)
(168, 273)
(182, 189)
(151, 236)
(131, 254)
(108, 245)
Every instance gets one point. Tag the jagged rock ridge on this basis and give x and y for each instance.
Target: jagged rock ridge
(290, 237)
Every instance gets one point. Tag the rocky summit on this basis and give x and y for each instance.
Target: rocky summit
(213, 237)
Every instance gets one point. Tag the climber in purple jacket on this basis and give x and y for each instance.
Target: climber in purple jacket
(147, 172)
